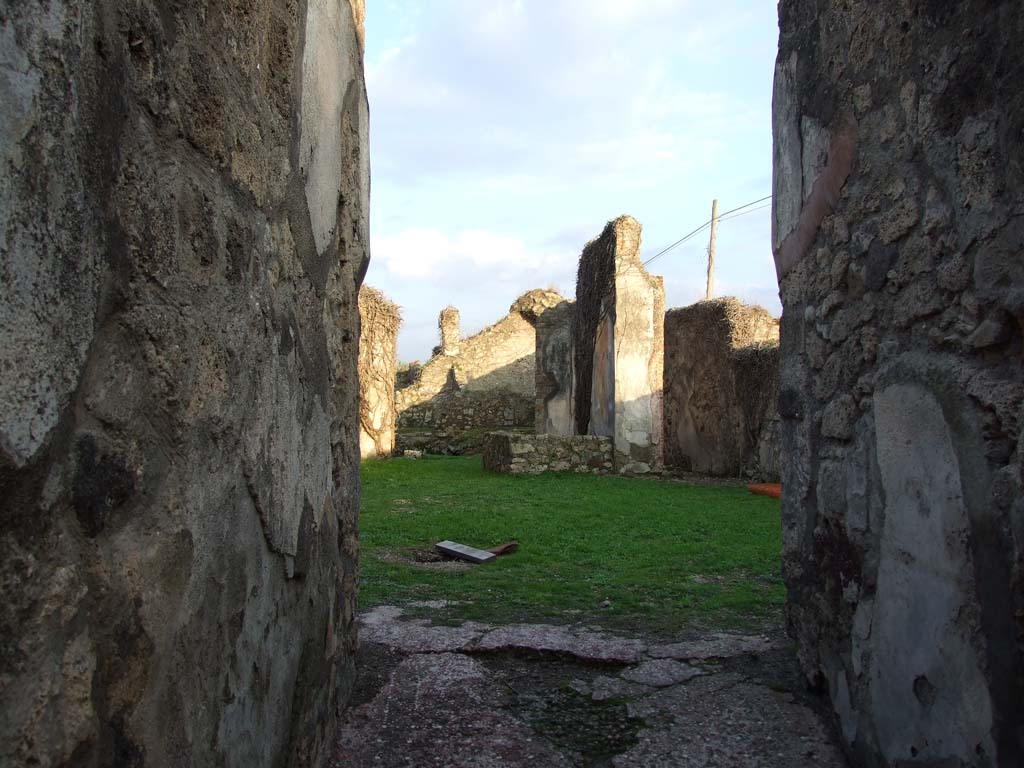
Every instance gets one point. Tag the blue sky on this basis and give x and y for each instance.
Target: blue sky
(505, 133)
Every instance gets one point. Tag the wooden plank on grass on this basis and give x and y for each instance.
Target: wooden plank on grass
(505, 549)
(463, 552)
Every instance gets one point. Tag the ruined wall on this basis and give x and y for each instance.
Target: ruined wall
(721, 380)
(183, 226)
(898, 233)
(553, 390)
(514, 453)
(458, 410)
(379, 321)
(499, 358)
(449, 327)
(618, 346)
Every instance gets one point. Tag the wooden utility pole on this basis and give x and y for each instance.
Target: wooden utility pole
(711, 250)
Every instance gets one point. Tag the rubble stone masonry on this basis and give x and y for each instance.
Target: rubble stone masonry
(515, 453)
(183, 228)
(899, 243)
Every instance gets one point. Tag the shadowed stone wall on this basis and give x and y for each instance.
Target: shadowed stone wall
(618, 347)
(379, 321)
(898, 236)
(183, 227)
(721, 386)
(467, 379)
(518, 454)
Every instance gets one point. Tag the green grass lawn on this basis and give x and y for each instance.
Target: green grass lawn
(662, 553)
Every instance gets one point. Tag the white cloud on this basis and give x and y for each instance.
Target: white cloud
(554, 89)
(423, 252)
(505, 133)
(479, 271)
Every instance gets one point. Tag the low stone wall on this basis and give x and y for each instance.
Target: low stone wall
(517, 454)
(462, 410)
(455, 443)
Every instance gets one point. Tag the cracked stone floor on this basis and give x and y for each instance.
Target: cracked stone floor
(544, 695)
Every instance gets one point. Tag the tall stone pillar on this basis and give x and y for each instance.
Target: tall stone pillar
(618, 347)
(451, 334)
(898, 235)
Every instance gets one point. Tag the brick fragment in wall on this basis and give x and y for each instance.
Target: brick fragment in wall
(902, 373)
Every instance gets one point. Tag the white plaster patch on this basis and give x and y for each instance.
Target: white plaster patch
(814, 141)
(926, 679)
(559, 416)
(787, 174)
(45, 318)
(327, 68)
(638, 298)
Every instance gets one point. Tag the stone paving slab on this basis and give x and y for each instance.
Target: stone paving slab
(716, 645)
(660, 673)
(722, 721)
(603, 688)
(468, 695)
(588, 645)
(439, 709)
(386, 624)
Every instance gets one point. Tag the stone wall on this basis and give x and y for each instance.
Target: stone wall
(515, 453)
(455, 443)
(898, 233)
(458, 410)
(554, 389)
(183, 227)
(618, 346)
(379, 321)
(721, 384)
(495, 364)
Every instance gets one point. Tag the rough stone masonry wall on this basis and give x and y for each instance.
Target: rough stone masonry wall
(379, 321)
(721, 384)
(515, 453)
(183, 227)
(458, 411)
(494, 364)
(554, 388)
(898, 234)
(618, 346)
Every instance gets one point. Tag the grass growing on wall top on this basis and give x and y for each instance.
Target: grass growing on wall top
(661, 553)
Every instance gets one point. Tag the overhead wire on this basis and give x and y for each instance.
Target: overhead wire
(679, 242)
(744, 213)
(747, 205)
(721, 217)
